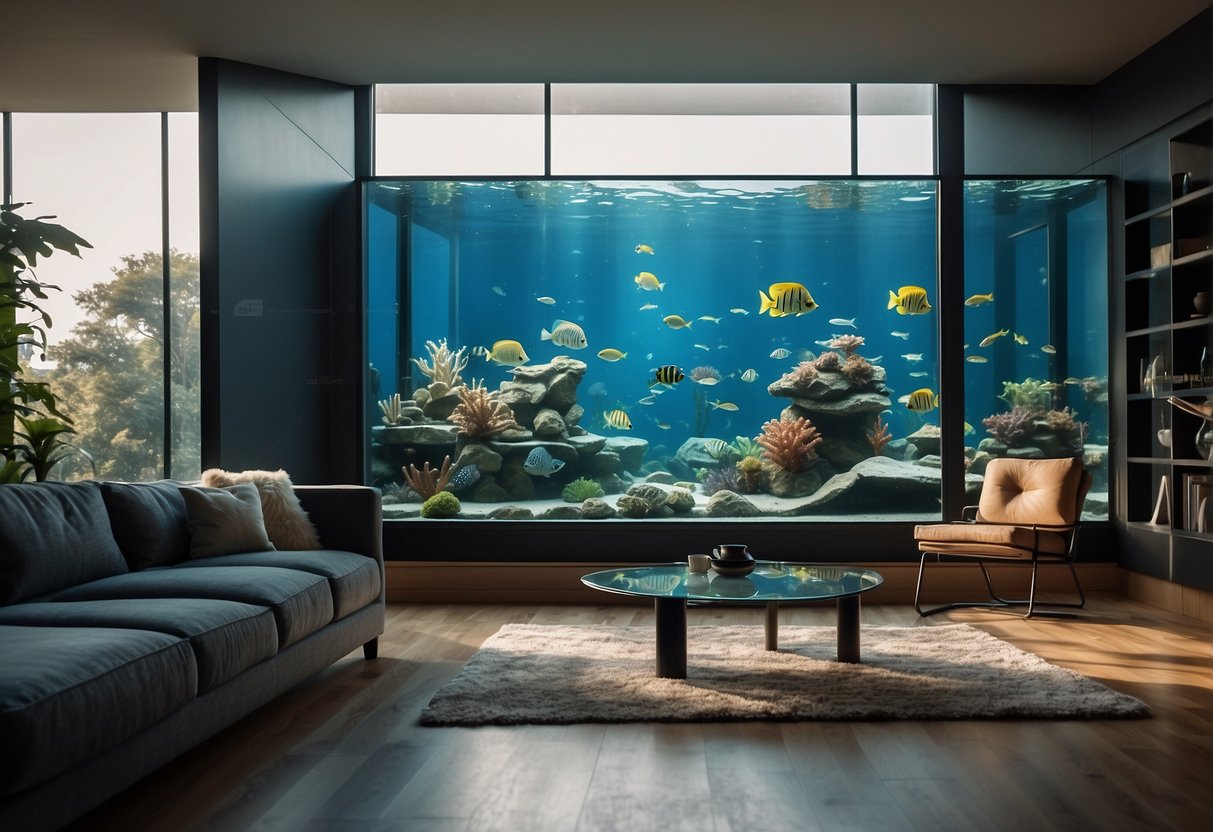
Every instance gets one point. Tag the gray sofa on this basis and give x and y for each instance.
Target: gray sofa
(118, 651)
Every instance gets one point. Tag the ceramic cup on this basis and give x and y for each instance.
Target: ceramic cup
(731, 551)
(1164, 437)
(1201, 302)
(698, 563)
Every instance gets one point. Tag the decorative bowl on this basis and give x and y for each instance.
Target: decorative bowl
(732, 567)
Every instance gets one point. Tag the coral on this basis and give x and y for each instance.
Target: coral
(1027, 393)
(392, 408)
(705, 372)
(1012, 427)
(790, 443)
(444, 366)
(480, 415)
(828, 362)
(752, 477)
(745, 446)
(720, 479)
(847, 343)
(1062, 421)
(879, 436)
(580, 490)
(857, 369)
(800, 376)
(443, 504)
(427, 482)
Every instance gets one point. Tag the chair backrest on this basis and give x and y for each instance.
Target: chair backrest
(1043, 492)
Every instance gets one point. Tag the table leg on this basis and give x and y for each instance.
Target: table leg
(671, 637)
(772, 625)
(848, 629)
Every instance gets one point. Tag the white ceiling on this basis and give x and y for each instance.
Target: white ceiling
(81, 55)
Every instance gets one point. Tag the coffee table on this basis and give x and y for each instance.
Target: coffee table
(771, 583)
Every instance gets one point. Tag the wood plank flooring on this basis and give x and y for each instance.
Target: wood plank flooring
(342, 750)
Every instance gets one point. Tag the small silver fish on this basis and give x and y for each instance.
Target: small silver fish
(919, 374)
(497, 290)
(905, 336)
(704, 347)
(545, 299)
(648, 306)
(824, 343)
(913, 357)
(540, 463)
(844, 322)
(749, 375)
(780, 353)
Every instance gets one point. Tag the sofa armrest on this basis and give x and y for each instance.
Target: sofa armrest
(348, 517)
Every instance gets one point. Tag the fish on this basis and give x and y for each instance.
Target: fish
(497, 290)
(912, 357)
(780, 353)
(464, 477)
(1050, 385)
(719, 405)
(507, 353)
(786, 299)
(905, 336)
(648, 282)
(648, 306)
(545, 299)
(708, 318)
(749, 375)
(708, 382)
(976, 359)
(704, 347)
(919, 374)
(611, 354)
(648, 356)
(676, 322)
(716, 448)
(909, 300)
(978, 300)
(668, 374)
(663, 425)
(968, 428)
(566, 334)
(540, 463)
(617, 419)
(596, 390)
(1020, 339)
(1072, 380)
(1049, 349)
(647, 400)
(844, 322)
(876, 359)
(825, 342)
(922, 400)
(644, 249)
(992, 337)
(737, 310)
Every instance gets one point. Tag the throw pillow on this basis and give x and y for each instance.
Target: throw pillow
(148, 519)
(224, 521)
(286, 522)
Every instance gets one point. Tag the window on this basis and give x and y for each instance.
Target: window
(895, 126)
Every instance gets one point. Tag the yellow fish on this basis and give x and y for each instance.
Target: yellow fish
(668, 374)
(1021, 340)
(644, 249)
(976, 359)
(1049, 349)
(978, 300)
(676, 322)
(909, 300)
(990, 339)
(719, 405)
(922, 400)
(648, 282)
(506, 353)
(617, 419)
(786, 299)
(611, 354)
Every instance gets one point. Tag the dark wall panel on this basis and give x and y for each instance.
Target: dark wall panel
(1024, 131)
(279, 272)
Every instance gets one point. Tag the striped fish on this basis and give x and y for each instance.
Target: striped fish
(922, 400)
(617, 419)
(566, 334)
(669, 374)
(749, 375)
(716, 448)
(909, 300)
(786, 299)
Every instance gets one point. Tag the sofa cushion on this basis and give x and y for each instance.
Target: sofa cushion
(53, 535)
(301, 602)
(68, 693)
(221, 521)
(353, 579)
(227, 637)
(286, 522)
(148, 520)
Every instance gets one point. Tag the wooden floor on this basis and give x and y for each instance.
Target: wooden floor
(342, 751)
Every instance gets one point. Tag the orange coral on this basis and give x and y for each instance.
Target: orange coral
(427, 482)
(879, 436)
(790, 443)
(480, 415)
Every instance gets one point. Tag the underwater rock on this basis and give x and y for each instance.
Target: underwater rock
(926, 438)
(440, 408)
(558, 449)
(606, 462)
(730, 504)
(689, 486)
(679, 469)
(573, 416)
(663, 477)
(611, 483)
(577, 430)
(393, 435)
(515, 435)
(880, 484)
(587, 444)
(644, 501)
(1029, 452)
(596, 508)
(693, 454)
(488, 491)
(930, 461)
(511, 513)
(856, 404)
(512, 477)
(558, 379)
(980, 460)
(783, 483)
(442, 434)
(630, 449)
(561, 513)
(480, 455)
(680, 500)
(548, 422)
(518, 393)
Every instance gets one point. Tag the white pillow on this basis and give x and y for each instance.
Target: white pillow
(286, 522)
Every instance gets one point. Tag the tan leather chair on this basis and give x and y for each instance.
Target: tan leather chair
(1028, 513)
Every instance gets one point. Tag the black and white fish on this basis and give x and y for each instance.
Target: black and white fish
(540, 463)
(463, 478)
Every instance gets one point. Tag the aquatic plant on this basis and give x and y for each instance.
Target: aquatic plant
(1012, 427)
(790, 443)
(444, 366)
(1027, 393)
(879, 436)
(751, 475)
(857, 369)
(392, 411)
(847, 343)
(427, 481)
(828, 362)
(744, 446)
(699, 374)
(479, 414)
(441, 505)
(720, 479)
(580, 490)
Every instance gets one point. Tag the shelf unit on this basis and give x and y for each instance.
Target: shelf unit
(1168, 205)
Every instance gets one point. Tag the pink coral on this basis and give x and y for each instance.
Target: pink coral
(790, 443)
(857, 369)
(879, 436)
(847, 343)
(1012, 427)
(829, 362)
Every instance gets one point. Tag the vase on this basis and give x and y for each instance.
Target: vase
(1204, 441)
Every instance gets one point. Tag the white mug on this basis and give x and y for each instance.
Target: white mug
(698, 563)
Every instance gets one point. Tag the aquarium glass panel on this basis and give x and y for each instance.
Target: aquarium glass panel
(1036, 324)
(895, 126)
(459, 129)
(663, 129)
(654, 349)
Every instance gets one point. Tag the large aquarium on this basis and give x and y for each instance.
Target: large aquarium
(661, 349)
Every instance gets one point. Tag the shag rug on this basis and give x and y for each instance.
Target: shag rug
(536, 674)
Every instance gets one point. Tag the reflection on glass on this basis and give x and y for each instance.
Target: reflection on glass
(184, 357)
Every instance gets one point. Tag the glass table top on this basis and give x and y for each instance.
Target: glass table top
(770, 581)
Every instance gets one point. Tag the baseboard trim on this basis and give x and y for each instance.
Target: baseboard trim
(1172, 597)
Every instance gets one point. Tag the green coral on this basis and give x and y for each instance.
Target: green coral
(443, 504)
(1029, 393)
(746, 447)
(580, 490)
